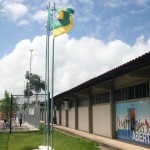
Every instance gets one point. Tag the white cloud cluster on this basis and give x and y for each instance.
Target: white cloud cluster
(40, 16)
(23, 22)
(13, 9)
(75, 60)
(120, 3)
(22, 12)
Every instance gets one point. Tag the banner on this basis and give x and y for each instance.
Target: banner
(133, 121)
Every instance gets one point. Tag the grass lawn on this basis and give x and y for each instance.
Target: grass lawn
(31, 140)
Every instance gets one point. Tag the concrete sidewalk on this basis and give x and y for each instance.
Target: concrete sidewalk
(111, 143)
(25, 127)
(30, 127)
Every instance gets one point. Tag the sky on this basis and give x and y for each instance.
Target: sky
(106, 34)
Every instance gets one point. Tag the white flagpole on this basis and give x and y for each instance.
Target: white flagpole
(52, 88)
(45, 103)
(48, 98)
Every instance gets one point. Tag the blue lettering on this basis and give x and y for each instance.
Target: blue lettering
(124, 134)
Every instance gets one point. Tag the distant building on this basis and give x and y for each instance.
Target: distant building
(3, 115)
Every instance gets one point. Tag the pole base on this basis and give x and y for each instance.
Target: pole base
(43, 148)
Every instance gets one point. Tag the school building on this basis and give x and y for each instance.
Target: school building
(115, 104)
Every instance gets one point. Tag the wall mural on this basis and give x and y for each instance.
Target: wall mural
(133, 121)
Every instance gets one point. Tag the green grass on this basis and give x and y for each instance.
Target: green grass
(20, 141)
(31, 140)
(66, 142)
(3, 141)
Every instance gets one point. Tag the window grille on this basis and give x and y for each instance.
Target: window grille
(137, 91)
(101, 98)
(83, 102)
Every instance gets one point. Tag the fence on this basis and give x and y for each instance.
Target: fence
(7, 115)
(31, 108)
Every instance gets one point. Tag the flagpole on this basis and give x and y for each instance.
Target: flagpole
(52, 96)
(52, 89)
(48, 98)
(45, 103)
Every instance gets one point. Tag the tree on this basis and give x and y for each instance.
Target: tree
(28, 91)
(5, 104)
(24, 105)
(36, 84)
(15, 105)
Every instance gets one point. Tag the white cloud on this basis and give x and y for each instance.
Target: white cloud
(62, 3)
(40, 16)
(13, 67)
(115, 3)
(140, 46)
(142, 2)
(13, 10)
(120, 3)
(76, 61)
(23, 22)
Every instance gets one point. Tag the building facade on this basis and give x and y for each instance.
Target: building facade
(115, 104)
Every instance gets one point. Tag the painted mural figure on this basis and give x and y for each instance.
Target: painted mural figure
(140, 126)
(133, 121)
(147, 125)
(132, 117)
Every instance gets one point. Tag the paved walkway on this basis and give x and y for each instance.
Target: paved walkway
(103, 140)
(30, 127)
(16, 128)
(24, 127)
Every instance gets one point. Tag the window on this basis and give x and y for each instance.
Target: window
(141, 90)
(132, 92)
(83, 102)
(101, 98)
(72, 103)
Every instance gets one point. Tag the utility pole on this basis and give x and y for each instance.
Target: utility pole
(30, 77)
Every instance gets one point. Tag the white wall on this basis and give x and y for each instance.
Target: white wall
(83, 119)
(101, 120)
(71, 118)
(63, 118)
(57, 116)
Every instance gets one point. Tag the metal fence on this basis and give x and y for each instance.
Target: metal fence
(32, 115)
(8, 113)
(30, 108)
(5, 118)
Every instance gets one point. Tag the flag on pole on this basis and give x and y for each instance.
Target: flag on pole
(64, 22)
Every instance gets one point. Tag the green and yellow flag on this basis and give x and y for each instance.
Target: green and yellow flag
(64, 22)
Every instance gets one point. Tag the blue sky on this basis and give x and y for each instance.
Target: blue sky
(106, 34)
(106, 20)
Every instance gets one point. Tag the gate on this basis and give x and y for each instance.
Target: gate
(30, 108)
